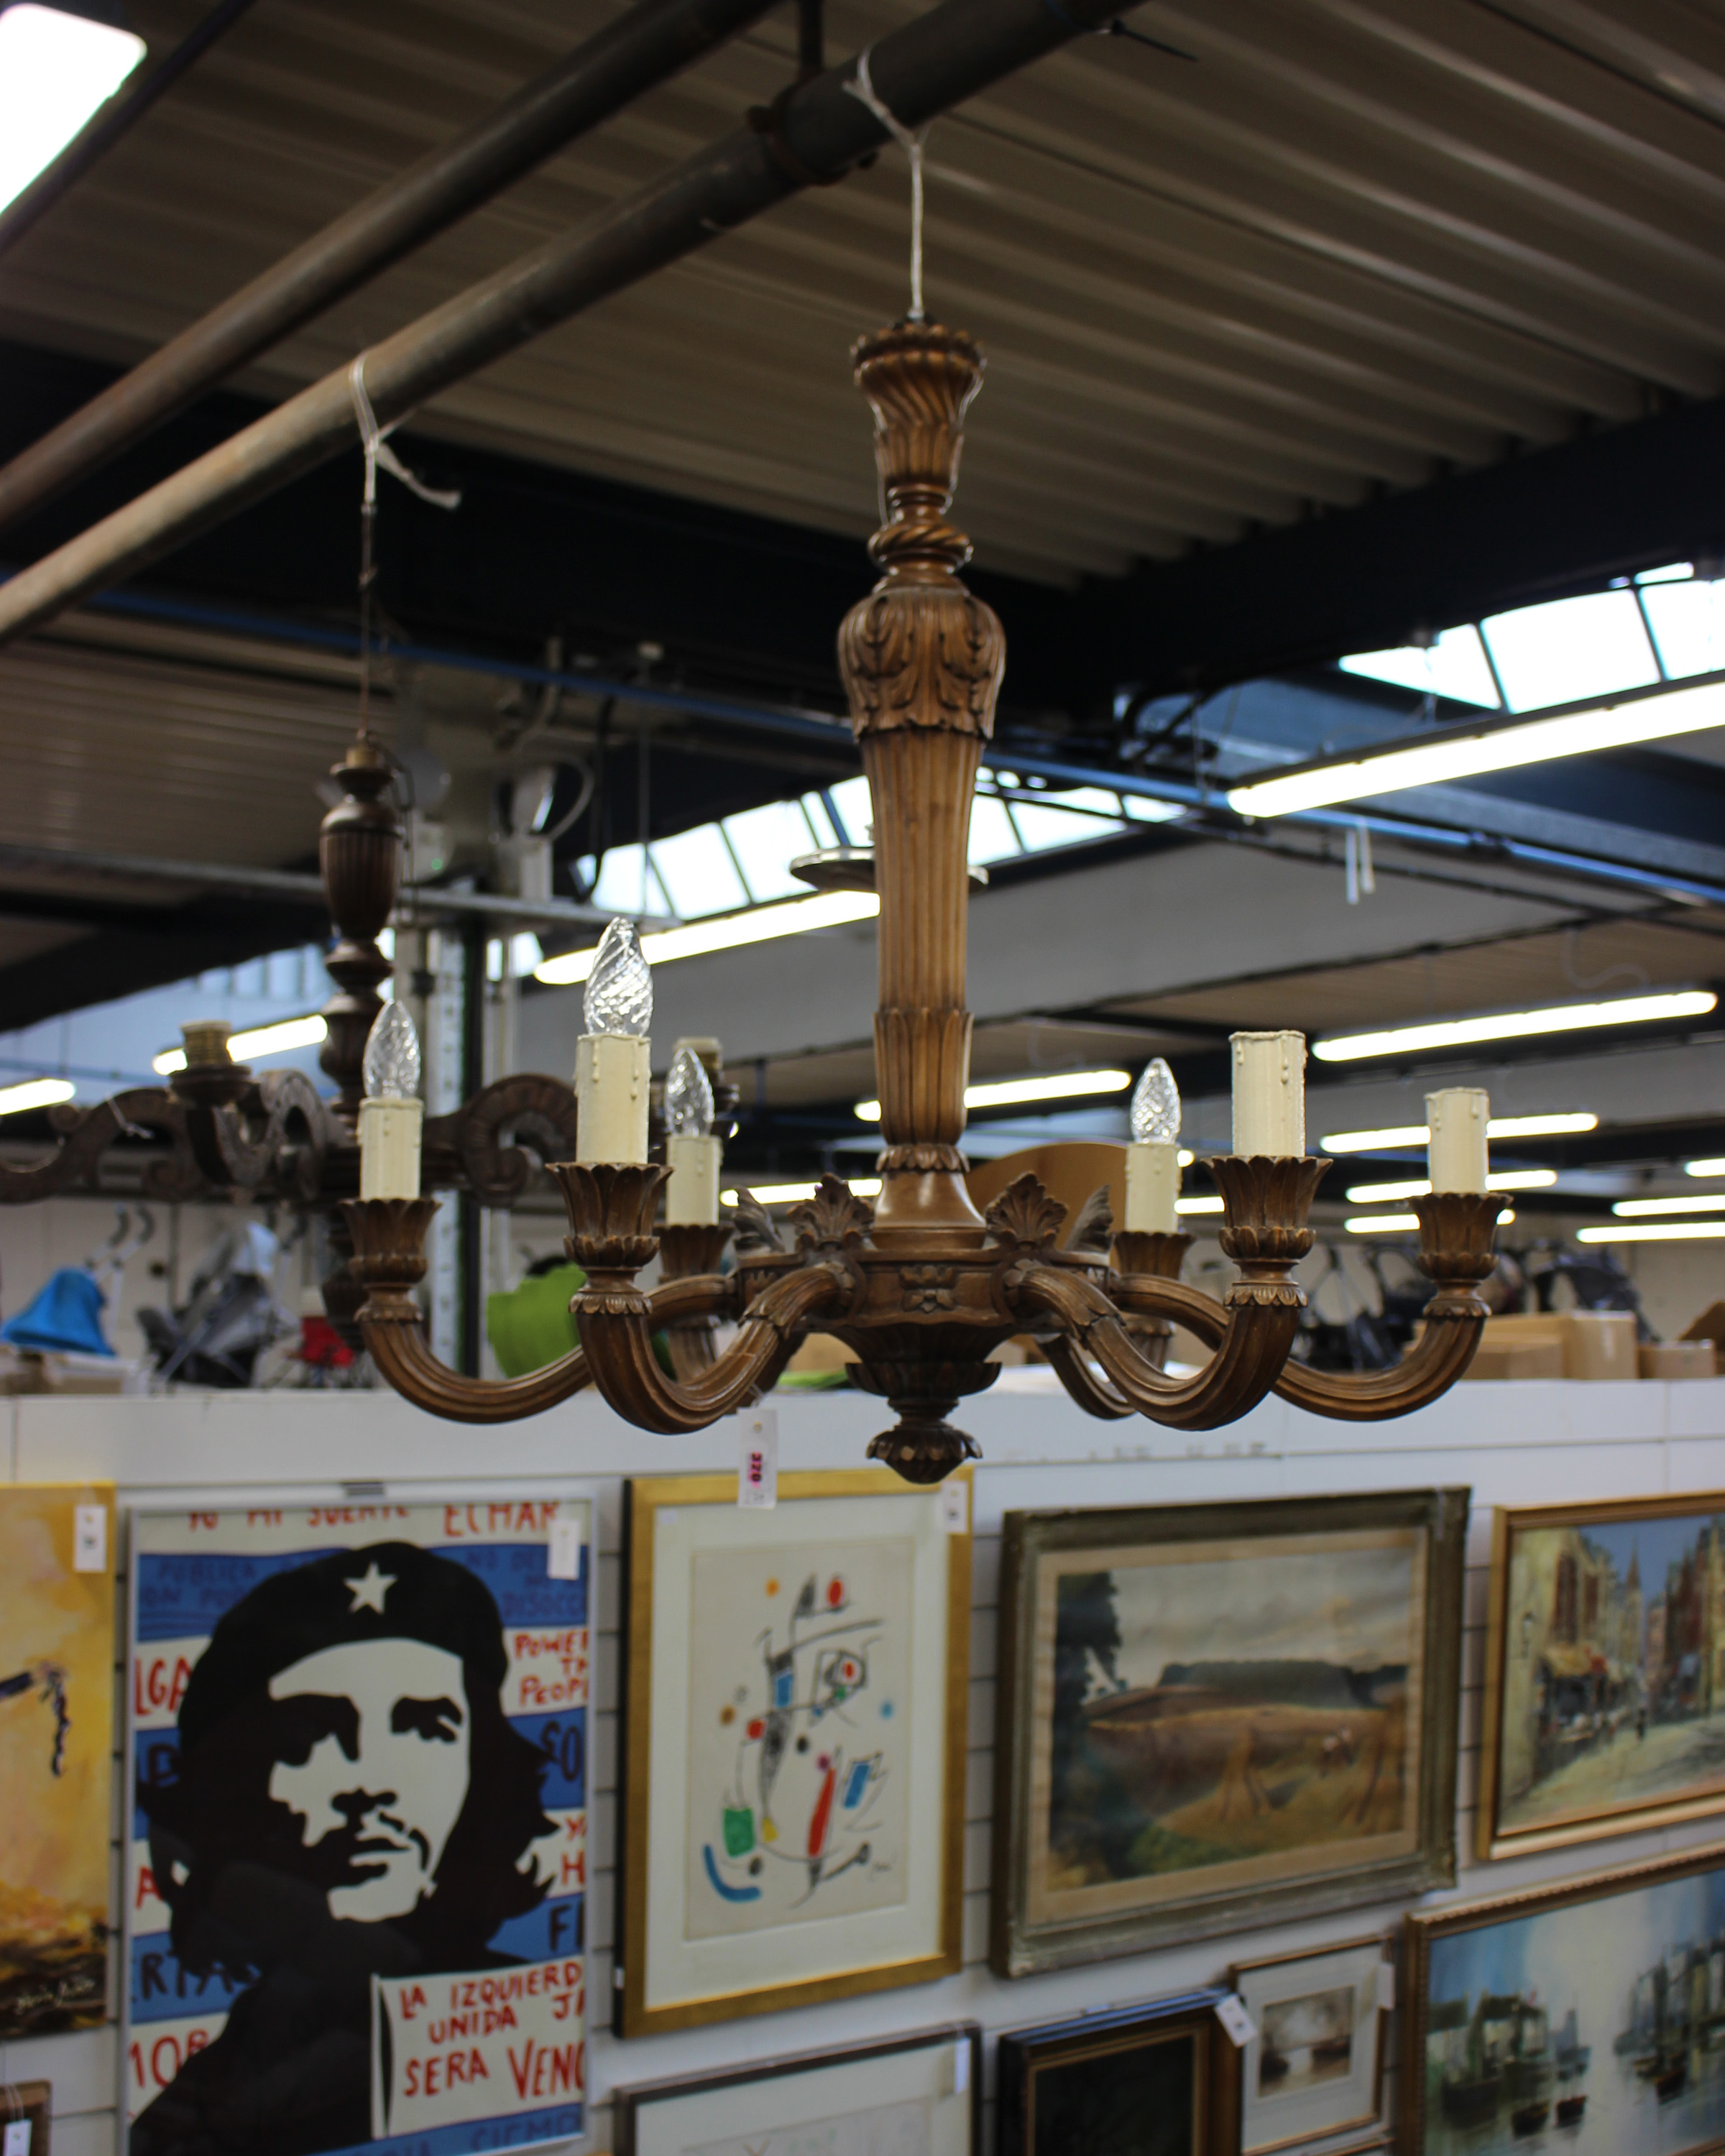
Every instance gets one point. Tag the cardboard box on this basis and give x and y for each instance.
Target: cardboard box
(1568, 1343)
(1678, 1359)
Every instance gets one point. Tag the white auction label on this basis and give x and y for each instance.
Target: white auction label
(90, 1552)
(18, 2138)
(563, 1549)
(955, 1507)
(1234, 2018)
(1386, 1987)
(758, 1459)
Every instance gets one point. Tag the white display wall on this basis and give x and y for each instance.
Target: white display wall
(1513, 1444)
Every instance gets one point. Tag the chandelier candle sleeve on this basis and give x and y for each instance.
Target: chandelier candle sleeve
(1455, 1151)
(692, 1151)
(391, 1116)
(1269, 1094)
(1152, 1159)
(613, 1056)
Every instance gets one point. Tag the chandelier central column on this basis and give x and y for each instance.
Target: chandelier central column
(921, 659)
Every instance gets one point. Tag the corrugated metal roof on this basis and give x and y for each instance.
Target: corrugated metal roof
(1346, 244)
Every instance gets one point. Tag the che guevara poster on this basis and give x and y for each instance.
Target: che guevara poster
(56, 1755)
(356, 1846)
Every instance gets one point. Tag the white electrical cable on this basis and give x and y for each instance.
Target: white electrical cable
(910, 141)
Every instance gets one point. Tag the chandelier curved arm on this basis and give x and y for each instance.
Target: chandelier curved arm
(1258, 1331)
(1455, 1231)
(85, 1135)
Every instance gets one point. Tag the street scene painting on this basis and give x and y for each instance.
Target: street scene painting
(798, 1713)
(1235, 1709)
(56, 1755)
(1609, 1652)
(1591, 2023)
(357, 1852)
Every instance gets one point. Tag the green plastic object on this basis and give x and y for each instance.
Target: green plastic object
(531, 1325)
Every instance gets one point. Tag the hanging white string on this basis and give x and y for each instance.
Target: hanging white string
(374, 440)
(910, 141)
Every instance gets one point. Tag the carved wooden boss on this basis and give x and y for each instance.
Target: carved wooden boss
(921, 1288)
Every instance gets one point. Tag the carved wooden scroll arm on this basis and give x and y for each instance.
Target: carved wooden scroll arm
(1259, 1330)
(616, 1322)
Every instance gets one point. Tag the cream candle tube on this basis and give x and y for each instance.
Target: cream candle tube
(1152, 1183)
(1269, 1094)
(1455, 1122)
(389, 1148)
(611, 1074)
(691, 1196)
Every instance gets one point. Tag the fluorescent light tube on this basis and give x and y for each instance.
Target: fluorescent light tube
(725, 932)
(1199, 1204)
(1661, 1231)
(1500, 1126)
(56, 70)
(1704, 1168)
(1403, 1224)
(791, 1193)
(1503, 744)
(261, 1040)
(35, 1093)
(1515, 1025)
(1512, 1179)
(1645, 1208)
(1058, 1085)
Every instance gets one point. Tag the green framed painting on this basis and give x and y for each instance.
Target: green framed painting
(1216, 1715)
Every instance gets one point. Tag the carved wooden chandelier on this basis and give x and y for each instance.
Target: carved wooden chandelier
(921, 1287)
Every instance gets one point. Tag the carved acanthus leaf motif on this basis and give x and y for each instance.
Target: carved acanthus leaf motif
(1024, 1213)
(1094, 1228)
(922, 654)
(753, 1228)
(834, 1218)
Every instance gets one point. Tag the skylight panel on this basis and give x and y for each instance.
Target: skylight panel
(620, 888)
(850, 797)
(698, 874)
(1570, 650)
(1454, 667)
(768, 839)
(992, 837)
(1688, 621)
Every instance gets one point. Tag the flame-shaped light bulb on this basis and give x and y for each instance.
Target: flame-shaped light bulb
(1155, 1112)
(392, 1056)
(619, 989)
(688, 1097)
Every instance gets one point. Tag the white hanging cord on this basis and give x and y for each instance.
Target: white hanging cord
(374, 440)
(911, 141)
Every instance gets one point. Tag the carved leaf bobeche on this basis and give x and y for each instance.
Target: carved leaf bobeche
(922, 654)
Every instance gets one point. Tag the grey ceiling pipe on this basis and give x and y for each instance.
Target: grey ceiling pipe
(813, 135)
(651, 42)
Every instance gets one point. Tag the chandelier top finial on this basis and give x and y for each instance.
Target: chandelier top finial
(919, 378)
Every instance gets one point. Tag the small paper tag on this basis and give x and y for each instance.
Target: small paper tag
(1386, 1987)
(562, 1550)
(955, 1507)
(18, 2131)
(89, 1554)
(1235, 2019)
(961, 2068)
(758, 1459)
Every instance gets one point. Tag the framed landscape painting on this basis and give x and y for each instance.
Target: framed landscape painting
(794, 1714)
(1161, 2079)
(905, 2095)
(1583, 2017)
(1218, 1715)
(1315, 2068)
(1605, 1671)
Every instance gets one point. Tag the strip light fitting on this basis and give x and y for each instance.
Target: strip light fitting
(250, 1047)
(1516, 1025)
(1502, 745)
(1058, 1085)
(725, 932)
(1644, 1208)
(1512, 1179)
(1403, 1224)
(35, 1093)
(1500, 1126)
(793, 1194)
(57, 69)
(1704, 1168)
(1663, 1231)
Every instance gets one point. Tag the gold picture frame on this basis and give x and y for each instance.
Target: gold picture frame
(1587, 1713)
(1568, 2027)
(1243, 1800)
(668, 1972)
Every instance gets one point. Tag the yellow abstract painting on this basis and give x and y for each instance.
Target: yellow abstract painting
(57, 1655)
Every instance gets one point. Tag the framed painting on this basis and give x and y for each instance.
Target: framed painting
(356, 1862)
(1583, 2016)
(1314, 2070)
(1161, 2079)
(905, 2095)
(57, 1654)
(1213, 1716)
(1605, 1671)
(794, 1714)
